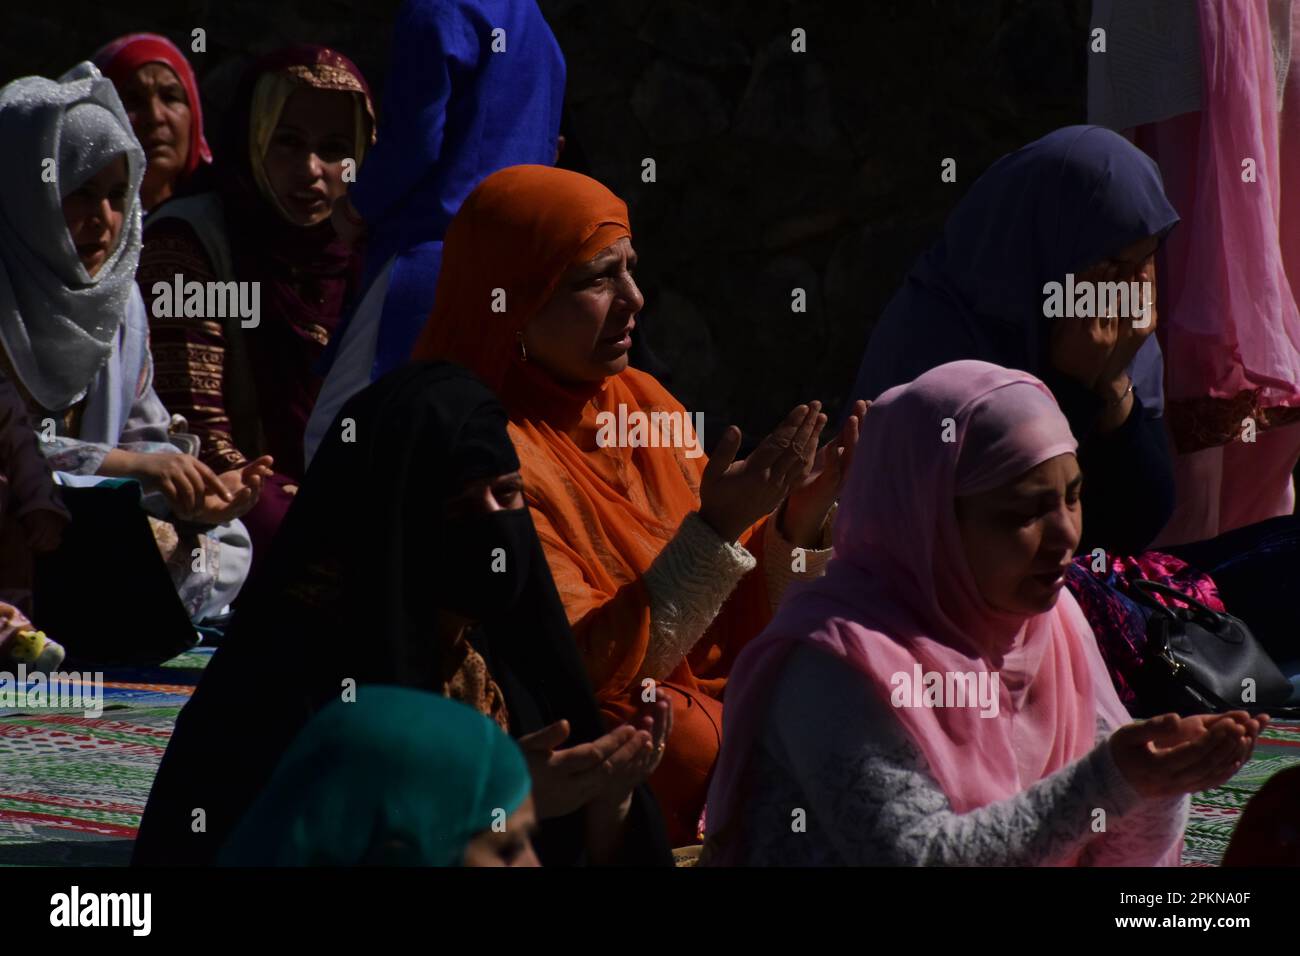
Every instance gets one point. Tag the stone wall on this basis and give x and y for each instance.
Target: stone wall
(775, 170)
(816, 170)
(48, 37)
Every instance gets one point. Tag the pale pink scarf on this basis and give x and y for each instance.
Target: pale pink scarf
(1229, 322)
(899, 592)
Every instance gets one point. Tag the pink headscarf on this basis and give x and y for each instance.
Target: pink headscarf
(899, 592)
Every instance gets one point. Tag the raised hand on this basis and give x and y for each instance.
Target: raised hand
(735, 494)
(811, 498)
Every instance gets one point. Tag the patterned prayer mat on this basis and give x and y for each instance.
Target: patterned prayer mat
(1215, 812)
(72, 787)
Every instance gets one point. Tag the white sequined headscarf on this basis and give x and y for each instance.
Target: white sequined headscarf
(57, 323)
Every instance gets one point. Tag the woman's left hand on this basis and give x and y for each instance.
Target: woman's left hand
(245, 484)
(808, 504)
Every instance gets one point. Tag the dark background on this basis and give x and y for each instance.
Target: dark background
(775, 169)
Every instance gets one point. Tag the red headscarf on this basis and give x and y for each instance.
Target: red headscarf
(122, 57)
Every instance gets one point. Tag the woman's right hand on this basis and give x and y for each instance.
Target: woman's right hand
(735, 494)
(564, 780)
(1169, 756)
(184, 480)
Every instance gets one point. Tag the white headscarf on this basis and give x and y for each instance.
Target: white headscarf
(57, 323)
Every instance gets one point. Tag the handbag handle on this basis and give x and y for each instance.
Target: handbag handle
(1217, 622)
(1147, 589)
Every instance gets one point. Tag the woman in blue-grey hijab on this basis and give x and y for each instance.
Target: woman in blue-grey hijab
(74, 341)
(398, 777)
(1080, 206)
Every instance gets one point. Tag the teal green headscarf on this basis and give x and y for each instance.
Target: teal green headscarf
(401, 777)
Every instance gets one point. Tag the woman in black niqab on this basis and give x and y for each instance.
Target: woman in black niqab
(366, 563)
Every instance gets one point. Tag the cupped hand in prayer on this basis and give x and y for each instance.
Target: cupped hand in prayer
(656, 720)
(565, 780)
(1169, 756)
(735, 494)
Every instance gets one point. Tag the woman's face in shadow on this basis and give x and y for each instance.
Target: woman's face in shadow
(1133, 263)
(159, 110)
(304, 160)
(584, 333)
(94, 213)
(513, 846)
(485, 495)
(1019, 538)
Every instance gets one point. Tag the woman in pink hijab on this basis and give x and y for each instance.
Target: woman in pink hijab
(938, 697)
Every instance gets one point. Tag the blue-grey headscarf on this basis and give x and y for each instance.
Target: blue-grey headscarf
(57, 323)
(1060, 204)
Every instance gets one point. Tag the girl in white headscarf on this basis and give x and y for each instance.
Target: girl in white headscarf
(73, 328)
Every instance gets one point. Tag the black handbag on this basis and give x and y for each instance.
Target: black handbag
(1202, 661)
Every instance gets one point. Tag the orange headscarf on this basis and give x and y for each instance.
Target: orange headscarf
(603, 513)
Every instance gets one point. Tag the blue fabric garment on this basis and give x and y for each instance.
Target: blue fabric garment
(455, 111)
(1058, 205)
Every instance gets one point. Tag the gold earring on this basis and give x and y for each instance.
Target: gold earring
(523, 352)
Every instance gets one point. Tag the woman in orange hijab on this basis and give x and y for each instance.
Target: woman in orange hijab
(655, 550)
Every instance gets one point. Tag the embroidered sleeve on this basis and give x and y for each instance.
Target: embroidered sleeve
(74, 457)
(784, 564)
(189, 353)
(688, 583)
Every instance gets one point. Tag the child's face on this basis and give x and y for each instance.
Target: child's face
(95, 212)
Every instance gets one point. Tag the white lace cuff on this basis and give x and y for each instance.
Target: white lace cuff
(688, 583)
